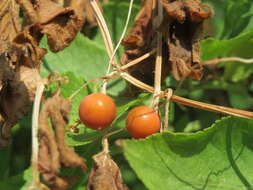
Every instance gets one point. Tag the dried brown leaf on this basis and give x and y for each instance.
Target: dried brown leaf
(105, 174)
(181, 31)
(16, 95)
(9, 23)
(54, 152)
(60, 24)
(20, 54)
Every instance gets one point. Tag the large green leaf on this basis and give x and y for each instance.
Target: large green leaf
(83, 57)
(217, 158)
(231, 17)
(240, 46)
(231, 27)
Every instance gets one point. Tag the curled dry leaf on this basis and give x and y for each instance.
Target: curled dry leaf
(53, 151)
(20, 54)
(181, 30)
(19, 75)
(9, 23)
(105, 174)
(58, 23)
(83, 9)
(17, 92)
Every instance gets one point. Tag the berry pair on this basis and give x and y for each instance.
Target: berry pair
(97, 111)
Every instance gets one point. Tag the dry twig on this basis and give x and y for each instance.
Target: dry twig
(188, 102)
(227, 59)
(158, 64)
(168, 95)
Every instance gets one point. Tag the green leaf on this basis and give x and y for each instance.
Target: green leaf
(239, 97)
(232, 25)
(13, 183)
(240, 46)
(83, 57)
(237, 18)
(212, 48)
(18, 182)
(231, 17)
(4, 160)
(27, 176)
(217, 158)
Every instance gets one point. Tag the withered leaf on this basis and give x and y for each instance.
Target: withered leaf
(20, 54)
(105, 174)
(53, 151)
(181, 31)
(9, 23)
(60, 24)
(140, 40)
(17, 93)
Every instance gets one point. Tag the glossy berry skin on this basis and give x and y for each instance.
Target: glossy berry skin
(97, 111)
(142, 121)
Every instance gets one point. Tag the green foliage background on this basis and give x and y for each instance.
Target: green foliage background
(194, 155)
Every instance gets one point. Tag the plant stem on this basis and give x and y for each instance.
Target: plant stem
(35, 141)
(188, 102)
(158, 63)
(107, 39)
(169, 93)
(227, 59)
(138, 60)
(109, 76)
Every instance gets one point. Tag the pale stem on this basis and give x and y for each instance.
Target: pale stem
(211, 107)
(138, 60)
(188, 102)
(105, 145)
(110, 76)
(123, 33)
(227, 59)
(158, 63)
(107, 39)
(168, 95)
(104, 29)
(136, 82)
(105, 82)
(35, 129)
